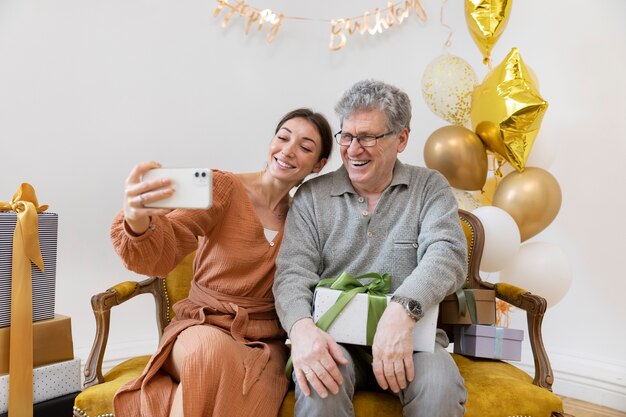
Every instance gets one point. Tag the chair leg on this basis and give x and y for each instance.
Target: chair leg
(555, 414)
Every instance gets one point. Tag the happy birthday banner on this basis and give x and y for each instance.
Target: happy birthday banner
(373, 23)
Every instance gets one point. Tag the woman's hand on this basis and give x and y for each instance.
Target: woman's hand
(137, 193)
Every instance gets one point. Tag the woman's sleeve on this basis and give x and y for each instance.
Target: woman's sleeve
(171, 237)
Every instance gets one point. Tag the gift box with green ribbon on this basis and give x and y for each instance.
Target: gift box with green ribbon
(469, 306)
(349, 308)
(480, 337)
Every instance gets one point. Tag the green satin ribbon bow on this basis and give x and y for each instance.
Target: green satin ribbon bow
(377, 290)
(467, 301)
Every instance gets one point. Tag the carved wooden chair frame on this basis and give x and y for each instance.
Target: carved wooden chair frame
(535, 307)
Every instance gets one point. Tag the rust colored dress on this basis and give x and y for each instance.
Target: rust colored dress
(235, 365)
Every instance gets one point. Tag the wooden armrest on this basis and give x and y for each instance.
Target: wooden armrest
(101, 304)
(535, 307)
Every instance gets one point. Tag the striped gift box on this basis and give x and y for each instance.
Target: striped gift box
(43, 282)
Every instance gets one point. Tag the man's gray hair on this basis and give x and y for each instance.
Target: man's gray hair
(377, 95)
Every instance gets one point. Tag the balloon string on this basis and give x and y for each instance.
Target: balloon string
(448, 43)
(500, 163)
(497, 163)
(496, 166)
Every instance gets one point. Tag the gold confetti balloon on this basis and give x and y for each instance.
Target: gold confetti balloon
(486, 20)
(447, 85)
(507, 110)
(465, 199)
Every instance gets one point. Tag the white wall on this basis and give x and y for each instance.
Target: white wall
(88, 88)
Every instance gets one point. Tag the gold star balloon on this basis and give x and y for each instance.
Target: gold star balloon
(507, 110)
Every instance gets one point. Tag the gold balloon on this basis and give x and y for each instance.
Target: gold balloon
(532, 198)
(459, 155)
(486, 20)
(507, 110)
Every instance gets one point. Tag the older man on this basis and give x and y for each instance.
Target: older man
(374, 214)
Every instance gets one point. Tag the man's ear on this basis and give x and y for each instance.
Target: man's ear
(404, 139)
(319, 165)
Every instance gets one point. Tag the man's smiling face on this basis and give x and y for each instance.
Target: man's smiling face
(371, 168)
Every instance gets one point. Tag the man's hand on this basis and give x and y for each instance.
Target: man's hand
(315, 356)
(392, 349)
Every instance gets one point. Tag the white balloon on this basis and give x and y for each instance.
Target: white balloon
(541, 268)
(502, 238)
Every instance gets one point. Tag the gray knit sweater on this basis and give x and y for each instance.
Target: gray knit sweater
(414, 234)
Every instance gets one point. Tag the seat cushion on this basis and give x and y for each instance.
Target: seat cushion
(494, 389)
(97, 400)
(494, 386)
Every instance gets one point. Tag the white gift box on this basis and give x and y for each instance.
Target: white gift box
(350, 326)
(49, 381)
(43, 282)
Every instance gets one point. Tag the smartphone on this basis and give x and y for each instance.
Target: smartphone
(193, 187)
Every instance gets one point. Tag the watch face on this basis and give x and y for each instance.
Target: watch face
(414, 307)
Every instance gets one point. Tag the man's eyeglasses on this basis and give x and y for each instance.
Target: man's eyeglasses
(345, 138)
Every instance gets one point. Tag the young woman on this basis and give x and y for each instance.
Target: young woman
(223, 354)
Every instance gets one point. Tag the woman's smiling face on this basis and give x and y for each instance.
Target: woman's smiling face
(295, 150)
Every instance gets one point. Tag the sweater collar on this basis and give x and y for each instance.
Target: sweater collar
(342, 183)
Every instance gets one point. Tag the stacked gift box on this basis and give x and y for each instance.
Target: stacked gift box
(472, 312)
(56, 373)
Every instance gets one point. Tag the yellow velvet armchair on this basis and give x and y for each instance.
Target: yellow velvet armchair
(495, 388)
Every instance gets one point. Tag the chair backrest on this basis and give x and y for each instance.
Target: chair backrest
(177, 283)
(475, 235)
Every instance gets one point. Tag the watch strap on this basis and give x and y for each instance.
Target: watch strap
(412, 307)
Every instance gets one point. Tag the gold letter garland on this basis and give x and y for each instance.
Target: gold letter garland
(253, 15)
(339, 28)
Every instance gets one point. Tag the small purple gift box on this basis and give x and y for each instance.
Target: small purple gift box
(488, 342)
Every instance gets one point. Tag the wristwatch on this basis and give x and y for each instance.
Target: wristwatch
(412, 307)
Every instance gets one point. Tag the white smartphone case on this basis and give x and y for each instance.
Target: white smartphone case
(193, 187)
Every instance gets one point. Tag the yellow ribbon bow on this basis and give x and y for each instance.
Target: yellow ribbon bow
(25, 250)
